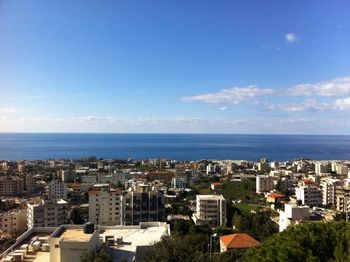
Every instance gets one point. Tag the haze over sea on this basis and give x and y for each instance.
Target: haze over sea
(35, 146)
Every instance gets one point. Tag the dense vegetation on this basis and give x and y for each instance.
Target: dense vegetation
(307, 242)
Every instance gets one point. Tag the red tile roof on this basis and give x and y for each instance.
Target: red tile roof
(276, 195)
(239, 240)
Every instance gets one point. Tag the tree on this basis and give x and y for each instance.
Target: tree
(305, 242)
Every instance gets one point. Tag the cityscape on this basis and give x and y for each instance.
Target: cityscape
(174, 131)
(128, 210)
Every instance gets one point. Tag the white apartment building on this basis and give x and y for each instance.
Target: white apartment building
(14, 221)
(328, 186)
(321, 168)
(210, 209)
(309, 195)
(292, 214)
(264, 183)
(56, 189)
(43, 213)
(104, 206)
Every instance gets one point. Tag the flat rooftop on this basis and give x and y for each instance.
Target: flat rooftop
(210, 197)
(76, 235)
(133, 237)
(34, 256)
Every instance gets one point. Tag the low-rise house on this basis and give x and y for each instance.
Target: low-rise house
(237, 241)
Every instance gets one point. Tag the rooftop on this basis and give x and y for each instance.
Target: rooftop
(210, 197)
(239, 240)
(76, 235)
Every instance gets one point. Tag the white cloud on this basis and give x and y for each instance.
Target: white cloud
(335, 87)
(307, 105)
(342, 104)
(8, 110)
(292, 38)
(233, 95)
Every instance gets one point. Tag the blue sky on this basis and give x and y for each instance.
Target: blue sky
(175, 66)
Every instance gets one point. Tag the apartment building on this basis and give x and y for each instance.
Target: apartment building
(11, 186)
(14, 221)
(309, 195)
(56, 189)
(321, 168)
(104, 206)
(47, 213)
(142, 205)
(264, 183)
(329, 186)
(210, 209)
(293, 214)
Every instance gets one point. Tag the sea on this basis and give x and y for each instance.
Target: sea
(40, 146)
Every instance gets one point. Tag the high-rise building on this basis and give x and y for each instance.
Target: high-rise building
(210, 209)
(142, 205)
(104, 206)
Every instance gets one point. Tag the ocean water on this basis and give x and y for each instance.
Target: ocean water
(32, 146)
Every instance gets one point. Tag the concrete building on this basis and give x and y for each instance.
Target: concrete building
(309, 195)
(142, 205)
(210, 209)
(56, 189)
(14, 221)
(11, 186)
(292, 214)
(43, 213)
(321, 168)
(67, 243)
(178, 183)
(328, 186)
(105, 206)
(29, 184)
(264, 183)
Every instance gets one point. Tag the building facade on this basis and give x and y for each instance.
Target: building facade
(142, 205)
(43, 213)
(104, 206)
(210, 209)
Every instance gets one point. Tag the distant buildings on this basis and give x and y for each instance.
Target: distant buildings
(210, 209)
(11, 186)
(321, 168)
(264, 183)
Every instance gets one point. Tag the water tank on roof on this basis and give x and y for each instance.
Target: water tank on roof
(89, 228)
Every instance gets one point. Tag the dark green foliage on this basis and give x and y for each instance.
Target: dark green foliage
(79, 215)
(244, 190)
(102, 255)
(308, 242)
(257, 224)
(185, 248)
